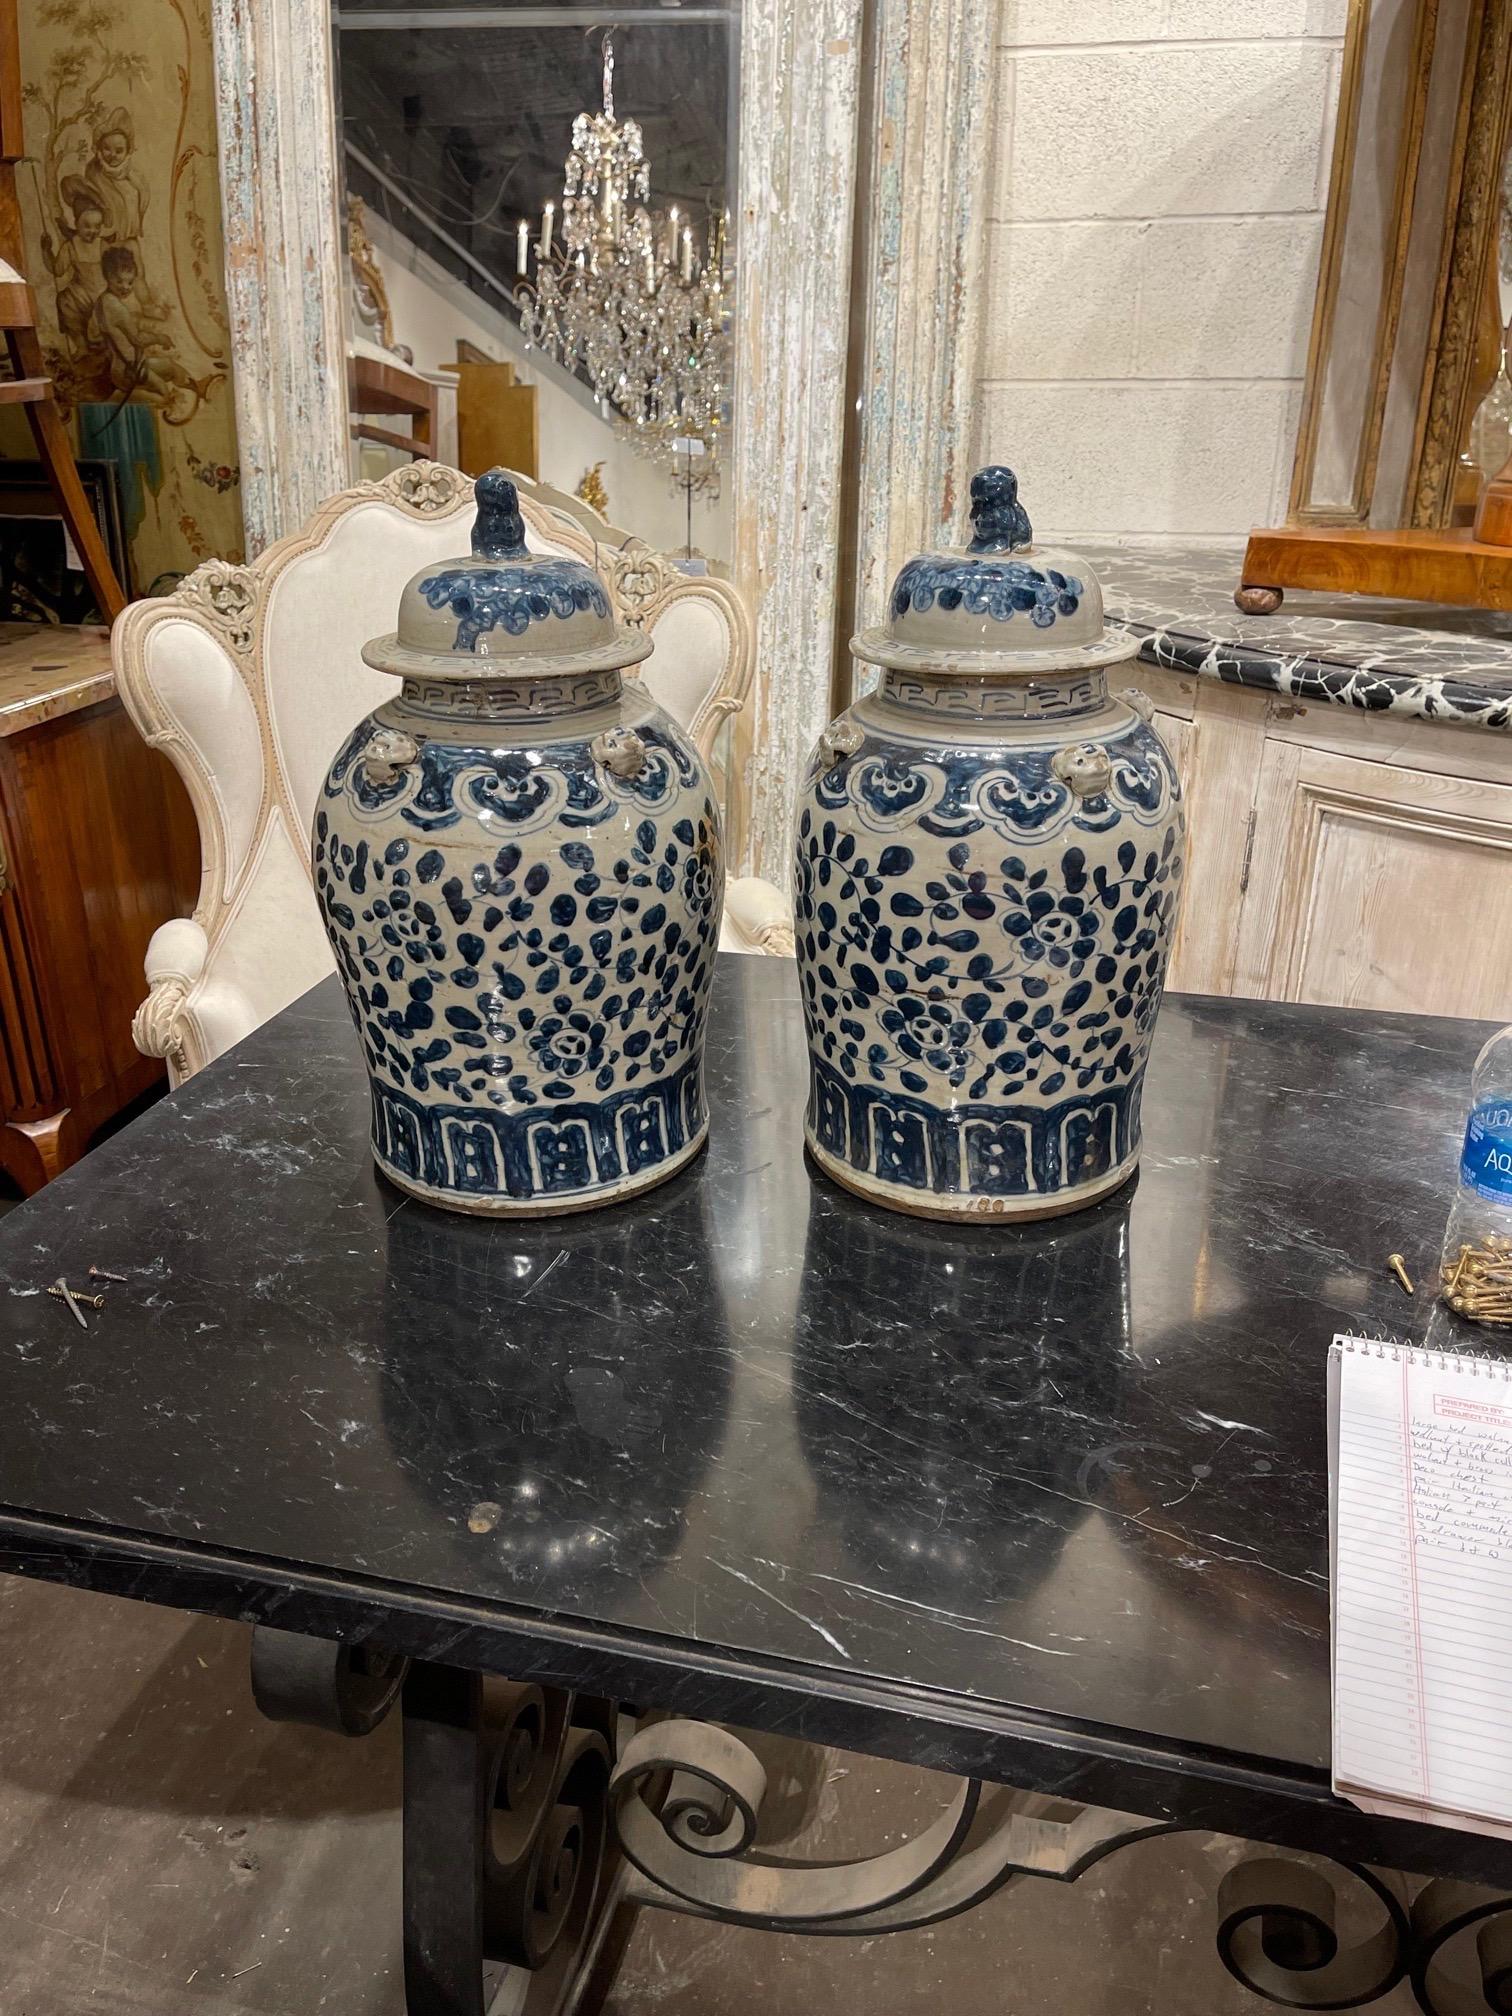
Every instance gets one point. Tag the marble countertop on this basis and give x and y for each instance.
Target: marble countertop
(1421, 660)
(50, 669)
(993, 1480)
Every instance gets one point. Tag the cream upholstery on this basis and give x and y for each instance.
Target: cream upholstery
(249, 677)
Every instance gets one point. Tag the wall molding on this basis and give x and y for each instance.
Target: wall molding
(927, 232)
(799, 85)
(280, 186)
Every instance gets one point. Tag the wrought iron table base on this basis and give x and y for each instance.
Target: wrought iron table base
(515, 1806)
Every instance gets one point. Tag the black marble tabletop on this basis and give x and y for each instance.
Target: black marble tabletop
(1047, 1502)
(1420, 660)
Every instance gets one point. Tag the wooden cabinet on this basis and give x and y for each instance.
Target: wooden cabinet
(498, 421)
(382, 385)
(98, 845)
(1378, 887)
(1359, 860)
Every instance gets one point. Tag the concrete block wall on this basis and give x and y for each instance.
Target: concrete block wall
(1161, 172)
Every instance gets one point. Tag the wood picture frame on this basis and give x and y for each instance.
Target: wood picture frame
(859, 232)
(1406, 331)
(37, 585)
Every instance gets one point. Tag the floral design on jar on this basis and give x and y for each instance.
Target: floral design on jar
(986, 880)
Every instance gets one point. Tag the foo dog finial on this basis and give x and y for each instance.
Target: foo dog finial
(998, 521)
(499, 532)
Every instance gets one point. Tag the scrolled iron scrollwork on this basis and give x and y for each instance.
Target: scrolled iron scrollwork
(511, 1793)
(505, 1791)
(546, 1820)
(686, 1803)
(1278, 1934)
(325, 1685)
(1461, 1950)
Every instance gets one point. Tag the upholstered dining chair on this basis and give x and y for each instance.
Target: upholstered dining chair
(248, 677)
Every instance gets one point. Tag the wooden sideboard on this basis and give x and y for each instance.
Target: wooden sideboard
(98, 845)
(1362, 860)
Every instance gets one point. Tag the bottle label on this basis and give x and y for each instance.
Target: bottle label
(1486, 1164)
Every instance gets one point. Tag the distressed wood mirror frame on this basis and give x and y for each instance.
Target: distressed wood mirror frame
(1407, 328)
(862, 160)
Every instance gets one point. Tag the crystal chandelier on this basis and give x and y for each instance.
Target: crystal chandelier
(626, 300)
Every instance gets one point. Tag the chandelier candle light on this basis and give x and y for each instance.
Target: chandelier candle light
(624, 300)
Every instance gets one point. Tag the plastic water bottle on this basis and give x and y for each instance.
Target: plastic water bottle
(1477, 1274)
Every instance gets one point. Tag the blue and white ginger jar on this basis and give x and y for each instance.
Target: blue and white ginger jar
(518, 863)
(988, 864)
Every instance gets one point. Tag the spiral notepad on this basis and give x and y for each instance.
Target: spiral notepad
(1420, 1527)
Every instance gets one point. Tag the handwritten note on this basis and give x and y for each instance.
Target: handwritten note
(1421, 1456)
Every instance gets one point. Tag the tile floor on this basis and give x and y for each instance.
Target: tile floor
(166, 1852)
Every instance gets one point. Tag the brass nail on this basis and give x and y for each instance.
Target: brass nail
(104, 1274)
(72, 1296)
(60, 1288)
(1478, 1284)
(1398, 1267)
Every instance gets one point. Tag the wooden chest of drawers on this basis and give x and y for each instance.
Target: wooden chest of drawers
(97, 846)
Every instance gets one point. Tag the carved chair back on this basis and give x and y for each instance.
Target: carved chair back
(248, 678)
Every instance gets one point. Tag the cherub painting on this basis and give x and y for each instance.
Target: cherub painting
(110, 179)
(121, 214)
(74, 260)
(117, 329)
(129, 325)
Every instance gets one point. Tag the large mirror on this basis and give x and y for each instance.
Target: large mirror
(1406, 339)
(543, 264)
(1490, 440)
(1405, 415)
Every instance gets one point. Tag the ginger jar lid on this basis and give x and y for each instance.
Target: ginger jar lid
(502, 611)
(1001, 605)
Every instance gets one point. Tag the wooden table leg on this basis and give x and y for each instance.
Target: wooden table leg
(34, 1151)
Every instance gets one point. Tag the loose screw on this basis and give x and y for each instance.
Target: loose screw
(61, 1289)
(72, 1296)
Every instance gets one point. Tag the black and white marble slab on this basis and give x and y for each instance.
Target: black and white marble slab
(1047, 1503)
(1424, 661)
